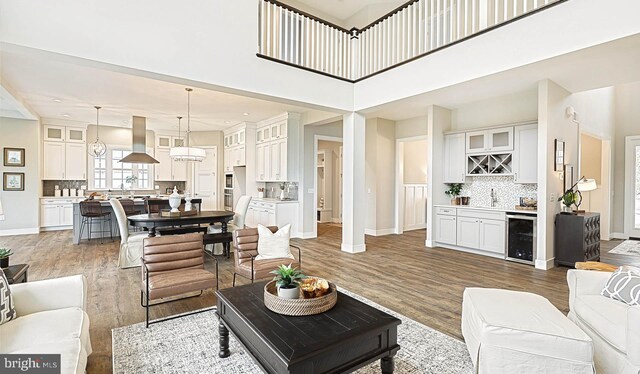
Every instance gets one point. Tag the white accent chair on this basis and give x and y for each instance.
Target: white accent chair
(52, 319)
(520, 332)
(130, 245)
(240, 214)
(613, 325)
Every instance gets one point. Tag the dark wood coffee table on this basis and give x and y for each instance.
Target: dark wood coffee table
(343, 339)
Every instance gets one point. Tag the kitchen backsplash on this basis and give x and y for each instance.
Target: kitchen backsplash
(508, 192)
(272, 190)
(48, 187)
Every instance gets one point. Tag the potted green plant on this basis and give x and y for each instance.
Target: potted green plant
(4, 257)
(287, 281)
(453, 192)
(568, 198)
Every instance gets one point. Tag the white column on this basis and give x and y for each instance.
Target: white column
(353, 190)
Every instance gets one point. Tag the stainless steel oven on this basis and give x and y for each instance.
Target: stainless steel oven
(228, 200)
(228, 181)
(521, 237)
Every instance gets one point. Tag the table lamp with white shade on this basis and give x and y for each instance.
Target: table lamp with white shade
(585, 185)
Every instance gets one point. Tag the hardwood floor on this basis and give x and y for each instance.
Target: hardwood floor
(396, 271)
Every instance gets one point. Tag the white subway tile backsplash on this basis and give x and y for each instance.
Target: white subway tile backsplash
(508, 192)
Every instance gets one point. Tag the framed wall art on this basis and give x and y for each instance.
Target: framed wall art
(558, 155)
(14, 157)
(13, 181)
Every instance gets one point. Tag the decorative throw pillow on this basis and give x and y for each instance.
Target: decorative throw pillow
(624, 285)
(273, 245)
(7, 309)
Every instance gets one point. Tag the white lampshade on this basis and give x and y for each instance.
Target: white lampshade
(586, 185)
(187, 154)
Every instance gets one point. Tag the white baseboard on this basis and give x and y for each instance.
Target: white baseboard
(379, 232)
(429, 243)
(27, 231)
(335, 220)
(545, 264)
(350, 248)
(416, 227)
(307, 235)
(56, 228)
(618, 235)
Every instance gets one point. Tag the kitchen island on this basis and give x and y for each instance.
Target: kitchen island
(106, 206)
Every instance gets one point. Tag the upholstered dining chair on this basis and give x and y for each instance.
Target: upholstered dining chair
(130, 244)
(239, 216)
(245, 242)
(173, 266)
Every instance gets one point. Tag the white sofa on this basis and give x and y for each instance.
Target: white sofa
(51, 318)
(613, 326)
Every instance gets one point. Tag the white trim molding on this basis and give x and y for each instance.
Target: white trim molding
(350, 248)
(619, 235)
(545, 264)
(379, 232)
(27, 231)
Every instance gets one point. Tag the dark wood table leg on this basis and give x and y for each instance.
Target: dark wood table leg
(386, 365)
(225, 245)
(224, 340)
(152, 231)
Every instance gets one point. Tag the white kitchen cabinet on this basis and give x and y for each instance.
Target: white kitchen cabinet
(494, 140)
(454, 170)
(75, 161)
(163, 141)
(278, 130)
(263, 162)
(468, 234)
(163, 168)
(56, 213)
(280, 135)
(75, 135)
(269, 213)
(178, 170)
(227, 160)
(446, 229)
(492, 236)
(54, 161)
(525, 155)
(54, 133)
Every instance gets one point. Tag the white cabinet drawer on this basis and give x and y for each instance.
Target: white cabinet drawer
(446, 211)
(481, 214)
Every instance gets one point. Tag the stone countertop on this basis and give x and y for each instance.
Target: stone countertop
(498, 209)
(273, 200)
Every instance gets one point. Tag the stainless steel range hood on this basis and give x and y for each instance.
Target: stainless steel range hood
(139, 154)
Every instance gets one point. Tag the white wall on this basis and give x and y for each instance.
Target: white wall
(627, 118)
(21, 208)
(380, 158)
(411, 127)
(212, 138)
(438, 121)
(517, 107)
(415, 162)
(334, 149)
(208, 44)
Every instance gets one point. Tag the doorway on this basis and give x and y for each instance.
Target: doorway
(595, 163)
(328, 184)
(632, 186)
(411, 184)
(205, 179)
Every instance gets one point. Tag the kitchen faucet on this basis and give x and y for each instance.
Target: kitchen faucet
(494, 198)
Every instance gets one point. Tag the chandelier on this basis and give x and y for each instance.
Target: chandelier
(187, 153)
(97, 148)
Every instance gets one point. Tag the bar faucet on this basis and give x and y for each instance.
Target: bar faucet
(494, 198)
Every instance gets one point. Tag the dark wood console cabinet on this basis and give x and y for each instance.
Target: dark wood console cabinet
(577, 238)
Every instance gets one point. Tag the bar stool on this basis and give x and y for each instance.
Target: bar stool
(91, 211)
(129, 209)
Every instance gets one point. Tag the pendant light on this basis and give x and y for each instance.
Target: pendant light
(97, 148)
(187, 153)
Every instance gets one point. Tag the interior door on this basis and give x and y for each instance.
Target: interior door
(632, 186)
(205, 180)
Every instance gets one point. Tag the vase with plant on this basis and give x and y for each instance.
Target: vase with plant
(453, 192)
(288, 281)
(568, 198)
(131, 179)
(5, 253)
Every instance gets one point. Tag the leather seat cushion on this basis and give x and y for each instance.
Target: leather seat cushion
(606, 316)
(44, 327)
(262, 268)
(178, 282)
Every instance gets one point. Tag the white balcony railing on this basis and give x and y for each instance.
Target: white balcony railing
(417, 28)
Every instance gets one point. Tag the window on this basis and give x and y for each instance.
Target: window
(107, 172)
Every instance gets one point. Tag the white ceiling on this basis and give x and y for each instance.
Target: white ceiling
(344, 9)
(66, 91)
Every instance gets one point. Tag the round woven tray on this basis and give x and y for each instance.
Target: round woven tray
(299, 307)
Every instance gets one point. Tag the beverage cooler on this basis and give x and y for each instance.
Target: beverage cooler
(521, 237)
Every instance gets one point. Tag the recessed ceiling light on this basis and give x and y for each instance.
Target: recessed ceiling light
(227, 122)
(125, 121)
(245, 114)
(56, 100)
(66, 115)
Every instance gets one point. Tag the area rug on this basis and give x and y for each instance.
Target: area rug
(190, 345)
(627, 247)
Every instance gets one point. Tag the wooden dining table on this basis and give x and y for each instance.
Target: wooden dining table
(152, 221)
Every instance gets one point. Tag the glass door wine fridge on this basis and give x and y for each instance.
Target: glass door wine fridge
(521, 237)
